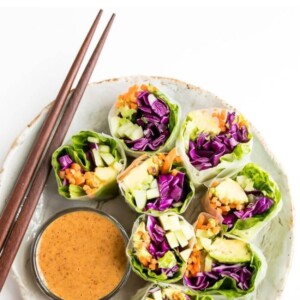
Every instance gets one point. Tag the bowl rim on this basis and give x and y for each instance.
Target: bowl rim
(33, 254)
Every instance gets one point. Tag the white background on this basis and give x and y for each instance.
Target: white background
(249, 56)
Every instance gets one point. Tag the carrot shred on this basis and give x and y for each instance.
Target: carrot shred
(214, 184)
(168, 161)
(128, 98)
(200, 221)
(144, 87)
(178, 159)
(221, 116)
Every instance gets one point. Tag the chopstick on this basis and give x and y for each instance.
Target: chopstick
(18, 231)
(14, 201)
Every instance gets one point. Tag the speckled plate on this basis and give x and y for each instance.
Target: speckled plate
(275, 240)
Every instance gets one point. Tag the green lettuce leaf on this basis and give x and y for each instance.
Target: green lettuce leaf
(77, 153)
(263, 182)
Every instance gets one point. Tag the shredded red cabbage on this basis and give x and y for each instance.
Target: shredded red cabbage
(154, 119)
(260, 205)
(205, 151)
(241, 273)
(172, 191)
(93, 146)
(65, 161)
(158, 245)
(170, 271)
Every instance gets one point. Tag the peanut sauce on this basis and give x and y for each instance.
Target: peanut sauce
(81, 255)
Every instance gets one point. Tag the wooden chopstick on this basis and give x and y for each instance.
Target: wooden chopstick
(18, 231)
(15, 199)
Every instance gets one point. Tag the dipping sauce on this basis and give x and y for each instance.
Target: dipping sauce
(81, 255)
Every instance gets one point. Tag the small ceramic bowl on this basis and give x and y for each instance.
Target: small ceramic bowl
(37, 273)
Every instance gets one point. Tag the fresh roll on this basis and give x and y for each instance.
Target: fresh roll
(145, 120)
(159, 247)
(213, 142)
(88, 168)
(220, 265)
(154, 184)
(244, 203)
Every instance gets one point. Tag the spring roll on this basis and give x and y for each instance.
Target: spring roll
(154, 184)
(244, 203)
(214, 142)
(160, 246)
(145, 120)
(88, 169)
(221, 265)
(163, 291)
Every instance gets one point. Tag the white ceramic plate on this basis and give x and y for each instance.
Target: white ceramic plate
(275, 240)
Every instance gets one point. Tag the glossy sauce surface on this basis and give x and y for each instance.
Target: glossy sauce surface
(81, 255)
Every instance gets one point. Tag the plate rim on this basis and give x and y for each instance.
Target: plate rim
(17, 141)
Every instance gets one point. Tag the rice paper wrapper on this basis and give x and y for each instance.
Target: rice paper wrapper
(175, 116)
(76, 153)
(145, 293)
(129, 198)
(227, 286)
(247, 229)
(228, 163)
(145, 272)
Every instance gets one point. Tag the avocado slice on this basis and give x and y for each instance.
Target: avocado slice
(231, 190)
(205, 122)
(139, 174)
(229, 251)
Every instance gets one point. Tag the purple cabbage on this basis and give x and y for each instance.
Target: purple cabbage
(241, 273)
(171, 190)
(90, 158)
(261, 205)
(93, 146)
(65, 161)
(154, 119)
(258, 207)
(160, 108)
(170, 271)
(205, 151)
(158, 245)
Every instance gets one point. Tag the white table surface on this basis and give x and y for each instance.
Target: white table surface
(248, 56)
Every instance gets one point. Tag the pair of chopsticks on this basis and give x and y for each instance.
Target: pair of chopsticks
(23, 200)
